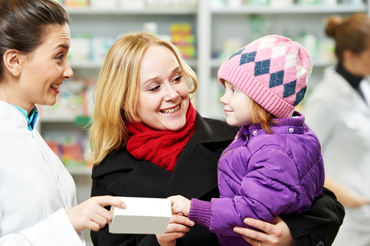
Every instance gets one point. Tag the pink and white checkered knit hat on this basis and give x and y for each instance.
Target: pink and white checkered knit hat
(272, 70)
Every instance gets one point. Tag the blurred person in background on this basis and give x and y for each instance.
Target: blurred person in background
(338, 112)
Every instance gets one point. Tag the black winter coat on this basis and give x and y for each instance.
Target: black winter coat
(195, 176)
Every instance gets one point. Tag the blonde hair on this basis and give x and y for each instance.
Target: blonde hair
(117, 90)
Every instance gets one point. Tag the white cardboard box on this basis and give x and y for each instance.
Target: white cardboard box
(142, 216)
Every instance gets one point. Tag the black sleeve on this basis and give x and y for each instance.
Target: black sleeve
(320, 224)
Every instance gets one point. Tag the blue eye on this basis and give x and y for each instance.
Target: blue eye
(59, 58)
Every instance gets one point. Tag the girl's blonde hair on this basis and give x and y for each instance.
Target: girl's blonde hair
(262, 116)
(117, 90)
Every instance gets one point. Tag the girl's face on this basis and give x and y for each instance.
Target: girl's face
(164, 96)
(236, 106)
(44, 69)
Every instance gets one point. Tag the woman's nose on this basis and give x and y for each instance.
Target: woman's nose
(171, 93)
(68, 72)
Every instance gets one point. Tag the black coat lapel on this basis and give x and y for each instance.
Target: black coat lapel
(123, 175)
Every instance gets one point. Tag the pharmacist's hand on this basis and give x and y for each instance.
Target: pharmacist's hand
(91, 214)
(180, 204)
(177, 227)
(273, 234)
(358, 202)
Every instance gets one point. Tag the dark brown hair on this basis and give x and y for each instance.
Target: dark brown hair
(350, 33)
(23, 24)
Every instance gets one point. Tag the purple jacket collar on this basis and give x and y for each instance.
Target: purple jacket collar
(284, 125)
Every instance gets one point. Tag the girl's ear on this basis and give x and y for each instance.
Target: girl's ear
(12, 62)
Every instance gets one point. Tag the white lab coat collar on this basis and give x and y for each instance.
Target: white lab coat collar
(12, 117)
(342, 87)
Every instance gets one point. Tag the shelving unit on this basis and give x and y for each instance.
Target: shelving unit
(212, 26)
(98, 65)
(341, 8)
(145, 11)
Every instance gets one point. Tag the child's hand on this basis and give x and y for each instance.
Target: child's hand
(180, 204)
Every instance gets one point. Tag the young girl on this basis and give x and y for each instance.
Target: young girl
(274, 166)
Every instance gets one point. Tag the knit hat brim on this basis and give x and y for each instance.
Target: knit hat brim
(255, 90)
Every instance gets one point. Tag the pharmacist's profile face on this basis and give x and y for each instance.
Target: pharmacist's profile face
(361, 63)
(44, 69)
(163, 94)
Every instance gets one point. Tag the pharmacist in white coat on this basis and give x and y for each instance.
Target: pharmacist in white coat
(38, 204)
(338, 111)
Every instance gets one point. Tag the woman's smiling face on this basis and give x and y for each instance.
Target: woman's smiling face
(164, 95)
(45, 69)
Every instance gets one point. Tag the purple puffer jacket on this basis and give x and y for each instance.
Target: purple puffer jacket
(263, 175)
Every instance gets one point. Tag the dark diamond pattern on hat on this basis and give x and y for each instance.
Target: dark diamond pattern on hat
(262, 67)
(236, 53)
(289, 89)
(276, 79)
(299, 96)
(247, 57)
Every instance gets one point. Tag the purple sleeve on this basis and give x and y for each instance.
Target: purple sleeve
(270, 188)
(200, 212)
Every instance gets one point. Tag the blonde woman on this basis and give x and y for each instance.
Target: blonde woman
(149, 141)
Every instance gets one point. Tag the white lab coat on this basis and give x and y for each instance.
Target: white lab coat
(35, 188)
(341, 120)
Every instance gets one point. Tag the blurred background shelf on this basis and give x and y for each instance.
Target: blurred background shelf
(99, 11)
(302, 9)
(99, 64)
(79, 170)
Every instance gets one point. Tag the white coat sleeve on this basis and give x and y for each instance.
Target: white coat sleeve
(320, 117)
(56, 230)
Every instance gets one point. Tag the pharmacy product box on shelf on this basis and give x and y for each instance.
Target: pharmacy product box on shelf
(141, 216)
(106, 4)
(130, 4)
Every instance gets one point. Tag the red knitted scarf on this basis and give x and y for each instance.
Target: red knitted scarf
(160, 147)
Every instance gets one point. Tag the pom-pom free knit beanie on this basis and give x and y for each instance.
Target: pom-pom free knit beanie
(273, 71)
